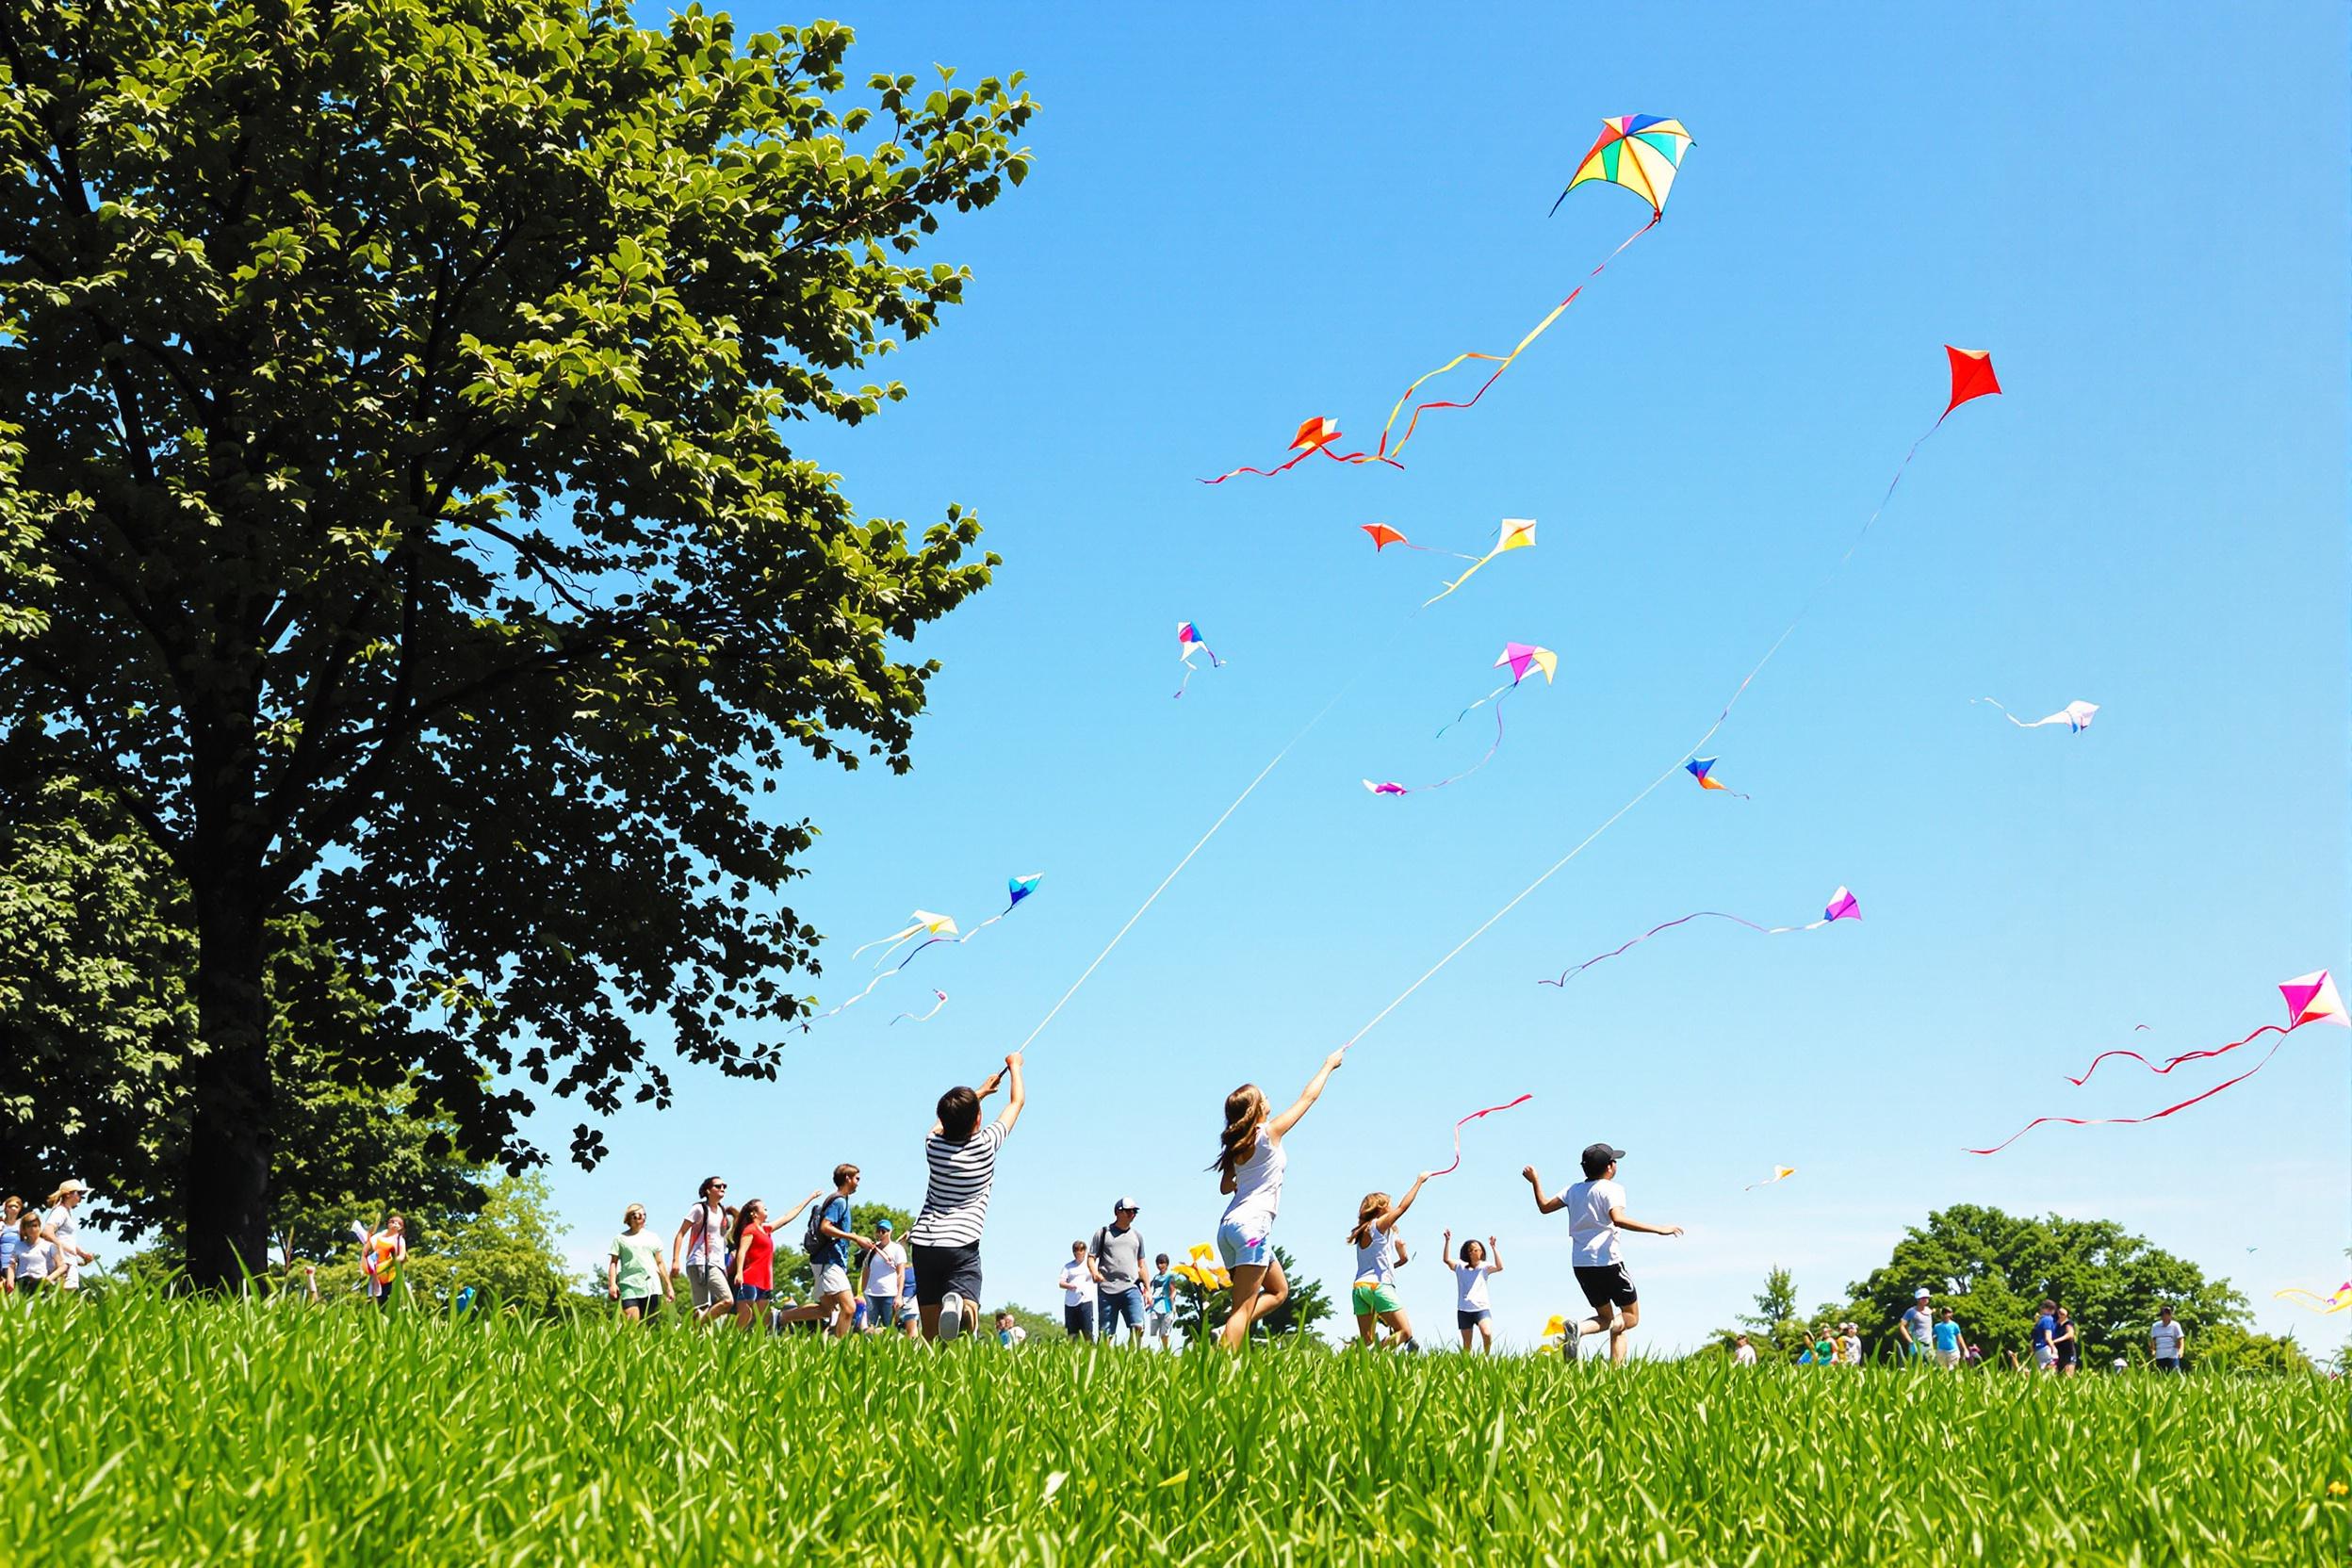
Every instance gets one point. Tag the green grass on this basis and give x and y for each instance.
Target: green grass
(139, 1431)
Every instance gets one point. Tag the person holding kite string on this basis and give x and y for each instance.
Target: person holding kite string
(1380, 1253)
(1249, 1164)
(1596, 1213)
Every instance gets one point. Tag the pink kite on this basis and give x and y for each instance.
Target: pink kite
(1520, 657)
(1843, 906)
(2311, 999)
(1473, 1117)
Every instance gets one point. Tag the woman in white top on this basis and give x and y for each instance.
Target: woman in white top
(1380, 1253)
(1472, 1314)
(1250, 1162)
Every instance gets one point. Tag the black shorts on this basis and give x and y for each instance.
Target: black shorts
(1605, 1284)
(941, 1269)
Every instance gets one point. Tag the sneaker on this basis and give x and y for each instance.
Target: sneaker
(1571, 1346)
(951, 1316)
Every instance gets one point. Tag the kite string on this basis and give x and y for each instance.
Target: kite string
(1646, 789)
(2185, 1056)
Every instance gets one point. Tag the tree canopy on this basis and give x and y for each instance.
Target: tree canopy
(402, 528)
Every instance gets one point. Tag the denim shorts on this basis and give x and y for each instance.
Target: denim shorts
(1239, 1249)
(748, 1295)
(1470, 1318)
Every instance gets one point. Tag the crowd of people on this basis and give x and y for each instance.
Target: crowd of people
(928, 1283)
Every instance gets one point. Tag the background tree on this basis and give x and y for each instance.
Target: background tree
(96, 1024)
(403, 533)
(1994, 1269)
(510, 1251)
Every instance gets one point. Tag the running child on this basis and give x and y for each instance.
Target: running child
(1380, 1253)
(1472, 1315)
(945, 1237)
(1596, 1214)
(1250, 1164)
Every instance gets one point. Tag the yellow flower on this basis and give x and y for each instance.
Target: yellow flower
(2337, 1489)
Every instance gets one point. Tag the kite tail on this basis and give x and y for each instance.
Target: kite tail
(2011, 717)
(892, 939)
(1473, 707)
(2134, 1121)
(1464, 773)
(2319, 1304)
(1569, 975)
(1383, 453)
(1473, 1117)
(924, 1018)
(2185, 1056)
(1286, 468)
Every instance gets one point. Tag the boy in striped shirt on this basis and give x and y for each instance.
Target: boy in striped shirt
(945, 1237)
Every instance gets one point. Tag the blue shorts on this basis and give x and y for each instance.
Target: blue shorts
(747, 1295)
(1470, 1318)
(1117, 1305)
(1239, 1251)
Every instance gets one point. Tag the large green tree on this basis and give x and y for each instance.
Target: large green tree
(1995, 1270)
(404, 531)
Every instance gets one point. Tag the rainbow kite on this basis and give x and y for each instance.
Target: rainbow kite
(2311, 999)
(1639, 153)
(1843, 906)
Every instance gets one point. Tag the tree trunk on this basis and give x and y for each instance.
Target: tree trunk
(227, 1187)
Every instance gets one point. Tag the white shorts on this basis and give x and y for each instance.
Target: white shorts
(1163, 1323)
(833, 1280)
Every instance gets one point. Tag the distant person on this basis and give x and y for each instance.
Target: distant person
(1249, 1164)
(2068, 1346)
(1596, 1214)
(884, 1265)
(1822, 1352)
(63, 1225)
(11, 1216)
(1163, 1301)
(1117, 1254)
(1918, 1325)
(1850, 1345)
(698, 1251)
(836, 1303)
(1008, 1331)
(2166, 1339)
(38, 1262)
(910, 1314)
(2046, 1338)
(1473, 1312)
(381, 1256)
(1380, 1253)
(1079, 1279)
(945, 1237)
(1742, 1353)
(634, 1274)
(1947, 1339)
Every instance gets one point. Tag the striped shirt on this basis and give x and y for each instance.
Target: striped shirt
(956, 1200)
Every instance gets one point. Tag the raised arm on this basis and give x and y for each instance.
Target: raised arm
(1017, 1099)
(1445, 1251)
(777, 1221)
(1545, 1203)
(1289, 1118)
(1494, 1257)
(1388, 1221)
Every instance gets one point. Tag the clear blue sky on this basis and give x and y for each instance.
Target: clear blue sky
(1234, 225)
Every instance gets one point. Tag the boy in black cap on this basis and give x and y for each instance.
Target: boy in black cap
(1596, 1212)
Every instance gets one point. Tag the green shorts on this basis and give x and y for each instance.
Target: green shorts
(1373, 1298)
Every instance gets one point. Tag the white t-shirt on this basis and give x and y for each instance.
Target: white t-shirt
(706, 1223)
(882, 1266)
(1470, 1286)
(1743, 1355)
(1590, 1207)
(1077, 1285)
(1258, 1187)
(2165, 1338)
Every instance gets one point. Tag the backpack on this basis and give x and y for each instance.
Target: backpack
(812, 1234)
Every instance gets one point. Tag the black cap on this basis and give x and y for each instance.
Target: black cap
(1597, 1158)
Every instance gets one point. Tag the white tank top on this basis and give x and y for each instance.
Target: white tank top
(1376, 1261)
(1258, 1187)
